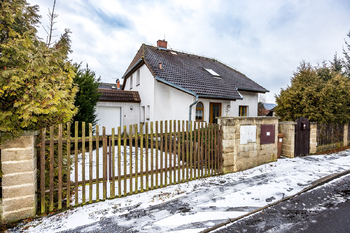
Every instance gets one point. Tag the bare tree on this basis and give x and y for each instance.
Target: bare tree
(50, 28)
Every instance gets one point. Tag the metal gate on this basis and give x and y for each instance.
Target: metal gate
(302, 137)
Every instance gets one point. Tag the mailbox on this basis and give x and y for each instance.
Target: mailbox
(267, 134)
(303, 125)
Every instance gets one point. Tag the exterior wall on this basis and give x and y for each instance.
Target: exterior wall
(19, 179)
(313, 137)
(250, 99)
(287, 128)
(239, 157)
(146, 92)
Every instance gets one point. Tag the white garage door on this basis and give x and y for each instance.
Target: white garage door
(109, 117)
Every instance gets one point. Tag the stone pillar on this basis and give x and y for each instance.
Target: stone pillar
(287, 128)
(346, 128)
(313, 137)
(19, 179)
(228, 145)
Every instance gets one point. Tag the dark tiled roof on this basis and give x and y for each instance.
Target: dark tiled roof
(188, 71)
(115, 95)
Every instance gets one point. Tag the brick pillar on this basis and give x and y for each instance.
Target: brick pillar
(313, 137)
(346, 128)
(287, 128)
(19, 179)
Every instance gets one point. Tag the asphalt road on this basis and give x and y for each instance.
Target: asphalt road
(323, 209)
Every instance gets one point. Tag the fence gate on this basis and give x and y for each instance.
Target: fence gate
(302, 137)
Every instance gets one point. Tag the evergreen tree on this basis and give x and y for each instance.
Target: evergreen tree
(347, 58)
(87, 96)
(317, 93)
(36, 79)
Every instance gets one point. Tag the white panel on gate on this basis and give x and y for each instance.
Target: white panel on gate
(248, 133)
(108, 117)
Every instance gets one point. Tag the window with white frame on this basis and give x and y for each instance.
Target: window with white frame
(138, 77)
(243, 110)
(131, 82)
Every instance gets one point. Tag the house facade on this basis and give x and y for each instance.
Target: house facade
(174, 85)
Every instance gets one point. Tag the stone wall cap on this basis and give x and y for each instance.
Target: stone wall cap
(27, 133)
(287, 123)
(313, 123)
(248, 117)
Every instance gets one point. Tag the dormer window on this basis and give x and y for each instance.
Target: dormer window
(212, 72)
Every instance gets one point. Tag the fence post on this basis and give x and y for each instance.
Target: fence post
(346, 131)
(313, 137)
(19, 179)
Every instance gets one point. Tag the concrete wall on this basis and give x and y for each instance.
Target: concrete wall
(239, 157)
(19, 179)
(287, 128)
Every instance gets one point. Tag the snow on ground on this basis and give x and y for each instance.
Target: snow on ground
(196, 205)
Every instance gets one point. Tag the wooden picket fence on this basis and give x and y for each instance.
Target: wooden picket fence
(80, 169)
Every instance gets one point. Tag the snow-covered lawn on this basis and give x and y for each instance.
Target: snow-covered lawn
(196, 205)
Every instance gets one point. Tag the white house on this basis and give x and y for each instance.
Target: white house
(174, 85)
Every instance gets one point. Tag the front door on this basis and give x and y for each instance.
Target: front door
(215, 111)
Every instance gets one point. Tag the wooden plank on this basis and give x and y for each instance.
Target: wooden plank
(136, 158)
(119, 162)
(112, 189)
(161, 154)
(68, 163)
(187, 142)
(125, 154)
(202, 151)
(60, 166)
(178, 152)
(210, 135)
(97, 162)
(83, 162)
(215, 149)
(130, 158)
(191, 151)
(90, 163)
(195, 150)
(141, 155)
(152, 149)
(147, 168)
(206, 151)
(76, 190)
(166, 153)
(104, 170)
(170, 152)
(51, 168)
(42, 170)
(156, 137)
(183, 155)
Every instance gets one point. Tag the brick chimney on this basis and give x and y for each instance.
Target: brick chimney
(162, 44)
(118, 84)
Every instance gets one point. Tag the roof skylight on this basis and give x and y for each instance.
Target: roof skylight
(174, 53)
(212, 72)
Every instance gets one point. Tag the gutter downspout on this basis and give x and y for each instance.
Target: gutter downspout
(190, 114)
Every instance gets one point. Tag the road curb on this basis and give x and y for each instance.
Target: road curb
(313, 185)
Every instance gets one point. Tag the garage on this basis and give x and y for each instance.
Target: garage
(109, 117)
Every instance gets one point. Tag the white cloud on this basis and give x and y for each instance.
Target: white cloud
(266, 40)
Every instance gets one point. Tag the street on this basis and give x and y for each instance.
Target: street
(323, 209)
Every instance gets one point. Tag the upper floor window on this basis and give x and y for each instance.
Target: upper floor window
(199, 111)
(131, 82)
(138, 77)
(243, 111)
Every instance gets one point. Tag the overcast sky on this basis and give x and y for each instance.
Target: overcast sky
(265, 40)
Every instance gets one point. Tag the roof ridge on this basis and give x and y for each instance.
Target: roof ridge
(202, 56)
